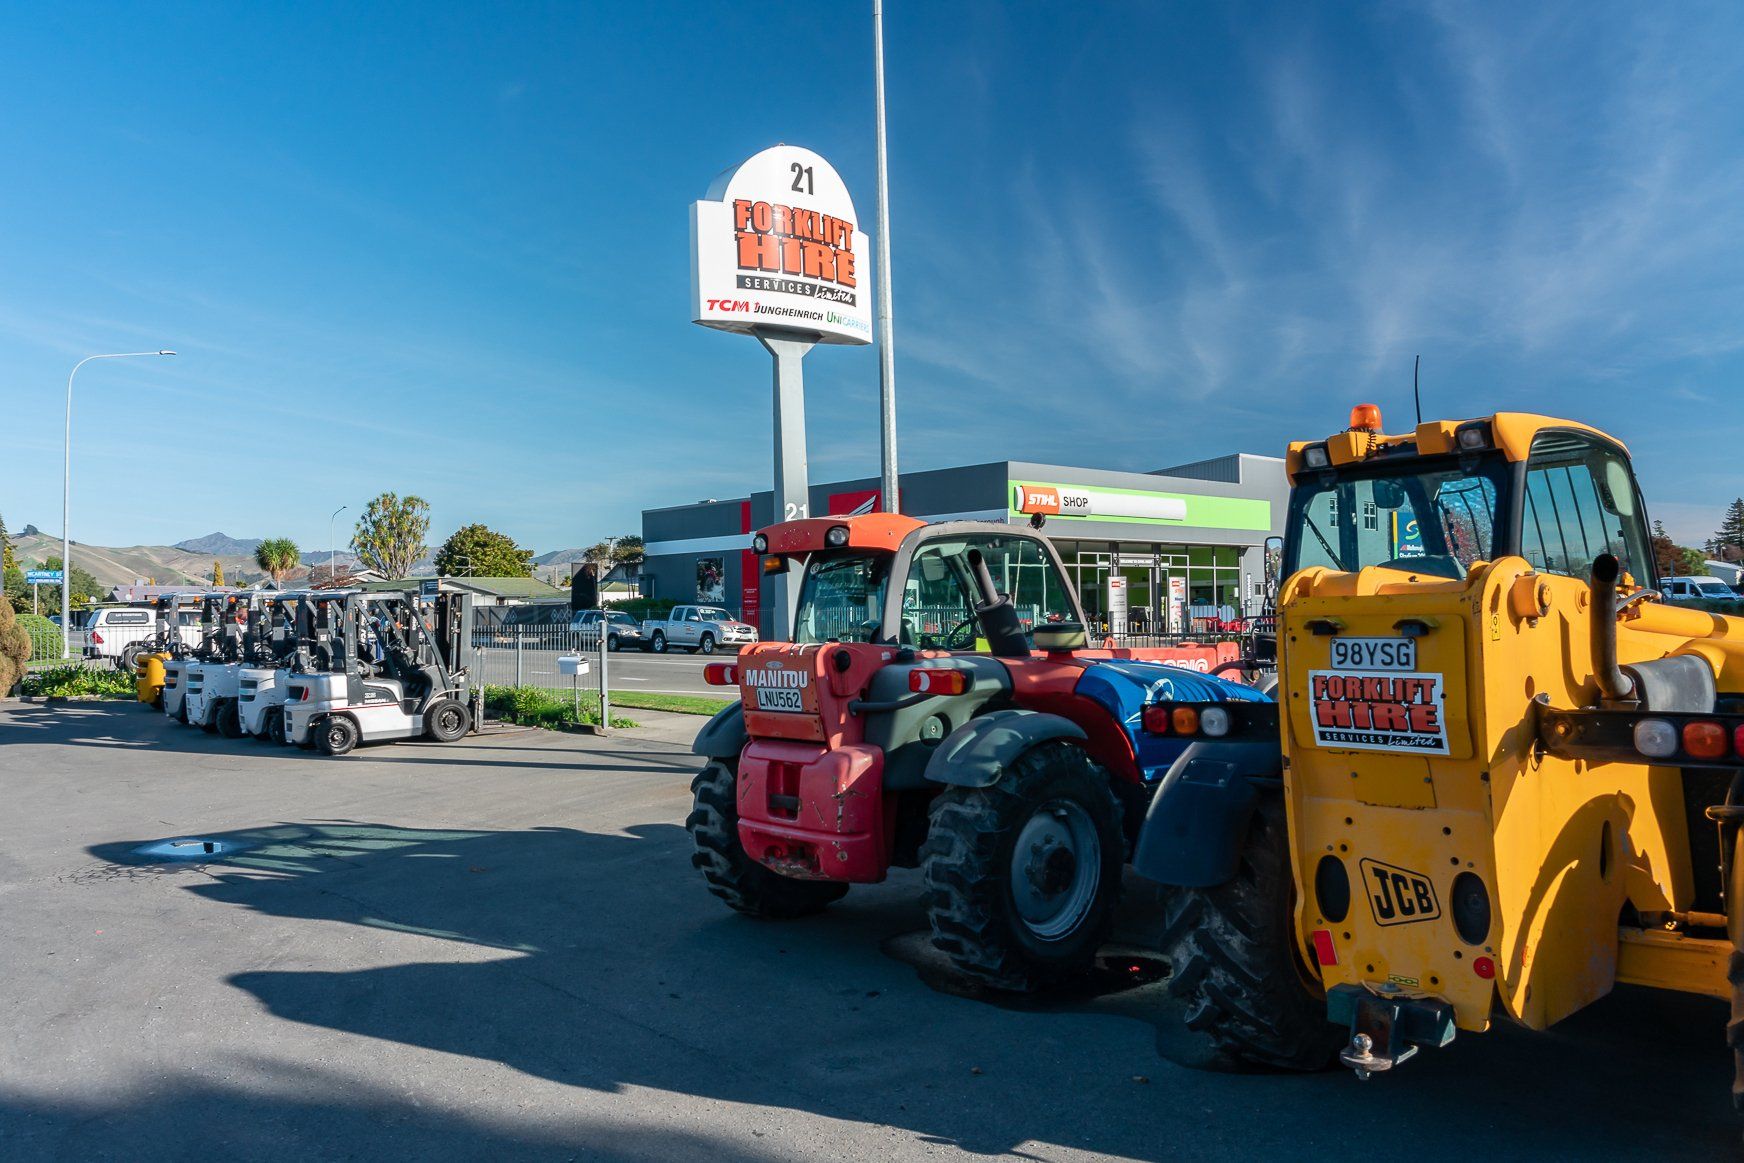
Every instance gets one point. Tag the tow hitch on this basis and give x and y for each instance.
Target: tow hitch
(1386, 1029)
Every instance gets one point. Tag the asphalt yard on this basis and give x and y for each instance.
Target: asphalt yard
(498, 949)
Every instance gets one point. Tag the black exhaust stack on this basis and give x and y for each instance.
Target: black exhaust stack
(1616, 689)
(998, 617)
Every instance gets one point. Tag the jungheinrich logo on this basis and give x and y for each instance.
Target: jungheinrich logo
(1398, 896)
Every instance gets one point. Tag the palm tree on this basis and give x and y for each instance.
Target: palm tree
(278, 556)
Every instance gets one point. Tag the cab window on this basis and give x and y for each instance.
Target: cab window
(1433, 517)
(1581, 502)
(939, 596)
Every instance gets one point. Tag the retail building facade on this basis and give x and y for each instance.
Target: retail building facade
(1164, 552)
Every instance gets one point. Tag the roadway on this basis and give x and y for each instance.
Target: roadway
(498, 949)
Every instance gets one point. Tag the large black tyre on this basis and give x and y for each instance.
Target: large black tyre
(1234, 963)
(706, 644)
(275, 726)
(1022, 877)
(336, 734)
(658, 645)
(182, 711)
(745, 885)
(446, 720)
(210, 726)
(228, 716)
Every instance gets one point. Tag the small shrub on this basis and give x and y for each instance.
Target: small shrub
(79, 682)
(529, 706)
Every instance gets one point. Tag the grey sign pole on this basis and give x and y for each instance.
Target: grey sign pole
(886, 337)
(792, 477)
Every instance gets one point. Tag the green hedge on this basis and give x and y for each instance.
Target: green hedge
(45, 636)
(528, 706)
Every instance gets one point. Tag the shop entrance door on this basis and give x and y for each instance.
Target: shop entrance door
(1140, 572)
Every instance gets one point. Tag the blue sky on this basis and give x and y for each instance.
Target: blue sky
(443, 249)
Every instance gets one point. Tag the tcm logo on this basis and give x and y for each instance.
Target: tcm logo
(1398, 896)
(729, 305)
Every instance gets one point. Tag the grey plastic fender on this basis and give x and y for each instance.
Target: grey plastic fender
(723, 736)
(1198, 819)
(978, 752)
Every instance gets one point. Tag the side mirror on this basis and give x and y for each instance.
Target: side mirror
(1274, 551)
(1389, 494)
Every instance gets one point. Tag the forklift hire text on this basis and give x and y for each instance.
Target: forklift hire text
(1378, 712)
(793, 241)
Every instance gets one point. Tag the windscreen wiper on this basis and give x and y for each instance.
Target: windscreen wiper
(1324, 544)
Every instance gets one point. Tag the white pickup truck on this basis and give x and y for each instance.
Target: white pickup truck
(693, 628)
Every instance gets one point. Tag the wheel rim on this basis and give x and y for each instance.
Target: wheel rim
(1056, 868)
(708, 644)
(448, 720)
(336, 736)
(659, 643)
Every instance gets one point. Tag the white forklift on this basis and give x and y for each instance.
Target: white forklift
(270, 652)
(185, 674)
(384, 666)
(213, 683)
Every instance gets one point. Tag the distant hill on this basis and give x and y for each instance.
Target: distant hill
(220, 545)
(561, 555)
(162, 564)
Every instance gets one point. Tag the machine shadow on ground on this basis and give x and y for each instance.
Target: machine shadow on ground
(600, 988)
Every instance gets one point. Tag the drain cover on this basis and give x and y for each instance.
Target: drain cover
(183, 849)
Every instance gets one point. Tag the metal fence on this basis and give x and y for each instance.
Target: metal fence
(528, 655)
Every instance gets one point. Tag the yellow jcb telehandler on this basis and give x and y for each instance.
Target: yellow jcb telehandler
(1500, 775)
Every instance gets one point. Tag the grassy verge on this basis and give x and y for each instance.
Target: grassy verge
(634, 700)
(78, 682)
(528, 706)
(682, 704)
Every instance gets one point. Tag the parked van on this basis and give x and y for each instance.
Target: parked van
(115, 632)
(1691, 588)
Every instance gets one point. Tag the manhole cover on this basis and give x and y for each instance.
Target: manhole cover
(184, 849)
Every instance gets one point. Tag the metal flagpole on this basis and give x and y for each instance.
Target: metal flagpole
(886, 338)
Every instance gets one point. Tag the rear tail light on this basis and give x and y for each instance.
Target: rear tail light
(1656, 738)
(940, 680)
(96, 638)
(721, 674)
(1155, 719)
(1706, 740)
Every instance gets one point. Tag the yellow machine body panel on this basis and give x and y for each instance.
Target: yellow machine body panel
(1420, 772)
(148, 678)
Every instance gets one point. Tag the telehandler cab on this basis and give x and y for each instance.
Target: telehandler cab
(1501, 775)
(938, 707)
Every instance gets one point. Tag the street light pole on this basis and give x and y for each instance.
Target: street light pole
(886, 339)
(66, 500)
(332, 548)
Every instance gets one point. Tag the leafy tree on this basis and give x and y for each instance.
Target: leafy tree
(1727, 543)
(1691, 562)
(390, 535)
(278, 556)
(1664, 551)
(8, 560)
(479, 551)
(17, 591)
(627, 548)
(217, 572)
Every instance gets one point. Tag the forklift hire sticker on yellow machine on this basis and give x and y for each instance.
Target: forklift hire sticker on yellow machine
(1364, 711)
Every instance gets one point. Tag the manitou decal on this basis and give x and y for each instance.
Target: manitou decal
(1378, 712)
(1398, 896)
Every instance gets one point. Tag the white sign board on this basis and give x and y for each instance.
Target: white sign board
(1077, 501)
(777, 244)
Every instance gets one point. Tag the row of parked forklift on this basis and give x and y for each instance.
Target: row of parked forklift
(1482, 772)
(321, 669)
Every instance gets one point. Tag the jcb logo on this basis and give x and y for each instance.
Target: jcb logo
(1398, 896)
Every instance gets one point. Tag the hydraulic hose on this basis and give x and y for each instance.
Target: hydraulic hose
(1614, 686)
